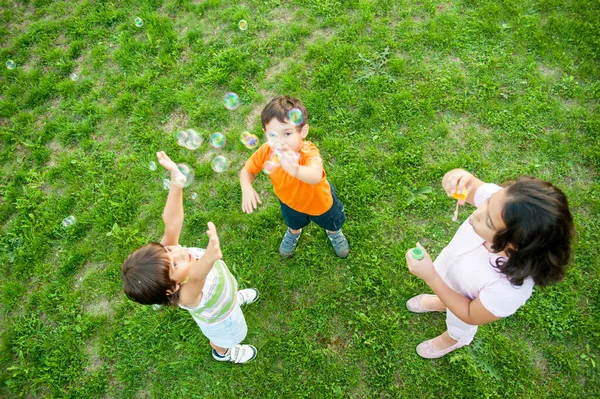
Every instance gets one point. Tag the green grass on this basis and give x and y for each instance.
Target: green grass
(398, 91)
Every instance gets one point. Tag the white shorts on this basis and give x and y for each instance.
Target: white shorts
(229, 332)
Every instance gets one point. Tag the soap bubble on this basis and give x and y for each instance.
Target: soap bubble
(231, 101)
(69, 221)
(194, 196)
(274, 157)
(305, 147)
(249, 140)
(186, 178)
(270, 166)
(220, 164)
(193, 140)
(272, 137)
(156, 306)
(10, 64)
(166, 183)
(217, 140)
(316, 162)
(182, 137)
(138, 22)
(295, 116)
(243, 25)
(73, 77)
(288, 157)
(152, 165)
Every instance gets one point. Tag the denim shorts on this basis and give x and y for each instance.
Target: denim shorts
(229, 332)
(331, 220)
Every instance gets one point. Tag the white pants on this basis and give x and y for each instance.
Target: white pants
(458, 329)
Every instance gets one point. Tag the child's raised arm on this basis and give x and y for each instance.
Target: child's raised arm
(459, 180)
(200, 267)
(173, 213)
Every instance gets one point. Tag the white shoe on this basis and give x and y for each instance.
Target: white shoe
(237, 354)
(249, 295)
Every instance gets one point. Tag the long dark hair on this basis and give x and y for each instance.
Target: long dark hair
(538, 234)
(145, 276)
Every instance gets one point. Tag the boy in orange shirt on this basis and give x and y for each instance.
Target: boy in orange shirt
(296, 171)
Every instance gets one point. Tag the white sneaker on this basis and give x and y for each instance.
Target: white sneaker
(237, 354)
(249, 295)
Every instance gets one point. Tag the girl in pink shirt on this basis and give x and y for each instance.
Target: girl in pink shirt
(518, 237)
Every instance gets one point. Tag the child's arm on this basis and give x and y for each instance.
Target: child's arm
(469, 311)
(310, 174)
(458, 180)
(250, 197)
(173, 212)
(191, 295)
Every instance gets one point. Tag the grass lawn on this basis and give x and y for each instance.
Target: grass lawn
(398, 92)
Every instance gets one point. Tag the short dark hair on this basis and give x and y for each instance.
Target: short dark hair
(279, 108)
(145, 276)
(538, 233)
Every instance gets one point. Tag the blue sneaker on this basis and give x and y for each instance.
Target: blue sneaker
(289, 243)
(339, 243)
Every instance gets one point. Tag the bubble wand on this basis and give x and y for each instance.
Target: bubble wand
(462, 196)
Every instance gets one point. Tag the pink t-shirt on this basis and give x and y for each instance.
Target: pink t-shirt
(468, 267)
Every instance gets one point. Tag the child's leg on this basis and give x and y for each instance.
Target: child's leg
(295, 221)
(332, 221)
(459, 330)
(220, 351)
(226, 337)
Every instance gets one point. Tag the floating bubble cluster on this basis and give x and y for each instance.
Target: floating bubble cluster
(189, 139)
(69, 221)
(217, 140)
(74, 77)
(220, 164)
(295, 116)
(152, 165)
(186, 178)
(138, 22)
(249, 140)
(10, 64)
(166, 183)
(243, 25)
(231, 101)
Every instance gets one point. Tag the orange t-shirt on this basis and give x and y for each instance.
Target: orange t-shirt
(298, 195)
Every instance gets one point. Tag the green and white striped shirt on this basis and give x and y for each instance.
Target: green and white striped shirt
(218, 294)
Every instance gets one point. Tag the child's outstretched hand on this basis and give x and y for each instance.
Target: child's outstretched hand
(168, 164)
(422, 268)
(289, 162)
(213, 248)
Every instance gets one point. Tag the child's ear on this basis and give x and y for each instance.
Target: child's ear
(174, 290)
(304, 131)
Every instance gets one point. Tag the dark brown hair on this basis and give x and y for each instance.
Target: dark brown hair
(279, 108)
(145, 276)
(538, 233)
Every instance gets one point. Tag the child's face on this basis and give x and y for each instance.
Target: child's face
(487, 219)
(180, 262)
(285, 136)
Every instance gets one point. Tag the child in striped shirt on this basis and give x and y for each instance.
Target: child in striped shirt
(192, 278)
